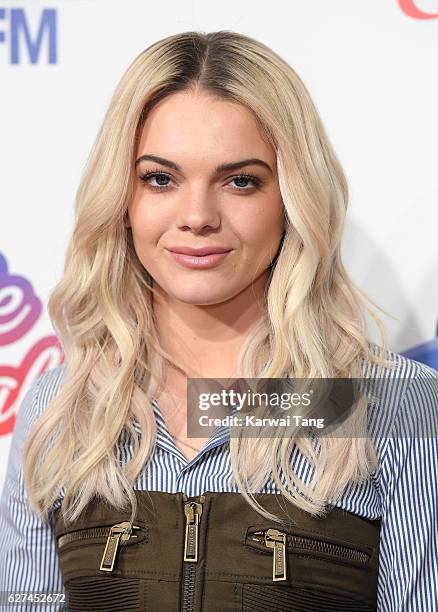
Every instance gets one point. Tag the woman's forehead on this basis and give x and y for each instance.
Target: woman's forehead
(183, 124)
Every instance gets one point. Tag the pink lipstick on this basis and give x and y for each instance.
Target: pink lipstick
(199, 258)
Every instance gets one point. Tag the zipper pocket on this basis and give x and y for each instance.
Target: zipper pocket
(116, 534)
(267, 540)
(275, 541)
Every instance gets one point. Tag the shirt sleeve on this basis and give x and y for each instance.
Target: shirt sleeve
(408, 559)
(28, 557)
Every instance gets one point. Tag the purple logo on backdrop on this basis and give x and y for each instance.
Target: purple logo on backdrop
(35, 39)
(20, 309)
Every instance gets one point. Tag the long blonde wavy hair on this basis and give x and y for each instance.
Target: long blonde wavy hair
(101, 310)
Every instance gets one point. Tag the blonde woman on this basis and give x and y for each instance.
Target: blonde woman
(207, 245)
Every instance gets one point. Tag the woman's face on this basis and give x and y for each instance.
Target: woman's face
(188, 200)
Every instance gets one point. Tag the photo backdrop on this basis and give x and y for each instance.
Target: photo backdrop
(371, 69)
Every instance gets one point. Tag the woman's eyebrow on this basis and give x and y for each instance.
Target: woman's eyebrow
(222, 168)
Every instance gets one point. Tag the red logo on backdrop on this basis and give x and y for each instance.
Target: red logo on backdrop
(410, 8)
(20, 310)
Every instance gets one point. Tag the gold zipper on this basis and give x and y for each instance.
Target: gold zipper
(193, 512)
(276, 540)
(121, 532)
(280, 542)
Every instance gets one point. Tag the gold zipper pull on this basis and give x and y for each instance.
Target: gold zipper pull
(119, 532)
(258, 536)
(193, 511)
(277, 541)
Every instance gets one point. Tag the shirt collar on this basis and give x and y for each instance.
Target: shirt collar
(164, 439)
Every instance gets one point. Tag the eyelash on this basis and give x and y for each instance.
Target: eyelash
(145, 177)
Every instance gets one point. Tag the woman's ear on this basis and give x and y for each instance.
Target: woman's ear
(126, 220)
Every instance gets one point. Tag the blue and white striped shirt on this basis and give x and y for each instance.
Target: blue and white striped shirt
(402, 492)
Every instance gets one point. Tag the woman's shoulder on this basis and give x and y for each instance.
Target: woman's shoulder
(48, 384)
(403, 398)
(40, 393)
(403, 423)
(401, 366)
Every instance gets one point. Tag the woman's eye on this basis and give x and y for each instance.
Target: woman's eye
(158, 176)
(161, 181)
(245, 178)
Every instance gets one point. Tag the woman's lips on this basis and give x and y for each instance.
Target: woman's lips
(199, 262)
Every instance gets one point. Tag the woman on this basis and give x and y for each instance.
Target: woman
(212, 143)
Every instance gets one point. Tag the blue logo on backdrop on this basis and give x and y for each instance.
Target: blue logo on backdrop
(37, 41)
(427, 352)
